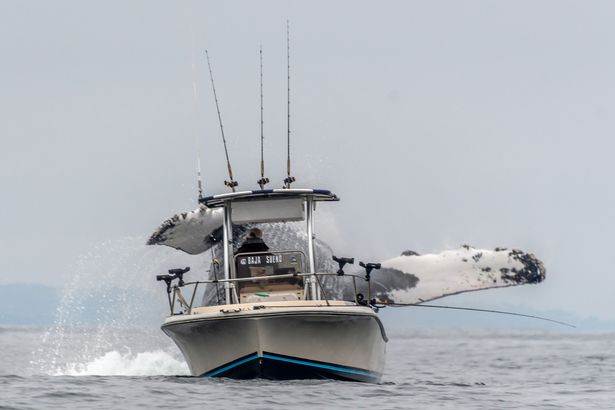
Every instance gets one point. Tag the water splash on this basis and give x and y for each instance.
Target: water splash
(113, 289)
(114, 363)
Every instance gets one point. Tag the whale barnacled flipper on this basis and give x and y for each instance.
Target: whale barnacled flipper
(189, 231)
(414, 278)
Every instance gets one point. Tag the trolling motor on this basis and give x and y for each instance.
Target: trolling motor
(342, 262)
(177, 273)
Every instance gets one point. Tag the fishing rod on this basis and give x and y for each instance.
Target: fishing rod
(502, 312)
(263, 181)
(289, 179)
(231, 183)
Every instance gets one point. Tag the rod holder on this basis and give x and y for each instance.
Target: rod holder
(177, 273)
(368, 269)
(342, 262)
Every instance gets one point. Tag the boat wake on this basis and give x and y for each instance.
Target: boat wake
(114, 363)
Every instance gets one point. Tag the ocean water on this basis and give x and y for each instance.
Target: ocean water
(93, 357)
(107, 367)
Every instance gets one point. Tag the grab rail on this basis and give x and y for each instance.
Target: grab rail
(175, 295)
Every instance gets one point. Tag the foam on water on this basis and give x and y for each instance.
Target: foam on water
(114, 363)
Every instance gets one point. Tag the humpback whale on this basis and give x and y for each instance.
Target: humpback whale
(408, 278)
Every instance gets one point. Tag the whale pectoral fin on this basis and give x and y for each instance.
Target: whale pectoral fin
(189, 231)
(414, 278)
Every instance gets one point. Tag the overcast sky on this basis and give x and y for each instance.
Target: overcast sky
(437, 122)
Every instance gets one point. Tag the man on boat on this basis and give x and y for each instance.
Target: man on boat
(253, 243)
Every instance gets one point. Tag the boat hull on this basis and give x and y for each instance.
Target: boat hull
(280, 343)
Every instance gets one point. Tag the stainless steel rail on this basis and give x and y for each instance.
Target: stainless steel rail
(176, 295)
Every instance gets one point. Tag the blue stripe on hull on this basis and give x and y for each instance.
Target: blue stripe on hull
(277, 367)
(231, 365)
(319, 365)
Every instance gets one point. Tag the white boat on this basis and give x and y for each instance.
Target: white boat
(289, 312)
(275, 320)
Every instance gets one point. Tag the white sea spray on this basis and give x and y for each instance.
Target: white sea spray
(113, 288)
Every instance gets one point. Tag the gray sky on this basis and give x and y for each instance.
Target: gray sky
(437, 122)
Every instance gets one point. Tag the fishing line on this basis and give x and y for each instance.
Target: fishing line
(231, 183)
(477, 310)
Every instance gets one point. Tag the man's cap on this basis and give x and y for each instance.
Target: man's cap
(255, 233)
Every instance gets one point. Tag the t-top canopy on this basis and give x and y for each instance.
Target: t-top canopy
(216, 201)
(191, 231)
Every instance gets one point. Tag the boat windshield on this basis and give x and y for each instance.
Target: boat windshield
(270, 263)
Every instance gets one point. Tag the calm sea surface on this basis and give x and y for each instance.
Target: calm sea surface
(140, 368)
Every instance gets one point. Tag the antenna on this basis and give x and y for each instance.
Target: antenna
(195, 106)
(199, 179)
(231, 183)
(263, 181)
(289, 179)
